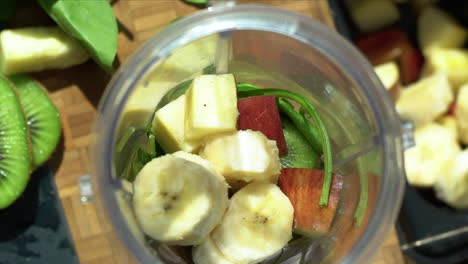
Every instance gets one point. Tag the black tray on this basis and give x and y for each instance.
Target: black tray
(34, 229)
(429, 231)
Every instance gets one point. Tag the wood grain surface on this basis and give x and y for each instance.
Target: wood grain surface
(76, 92)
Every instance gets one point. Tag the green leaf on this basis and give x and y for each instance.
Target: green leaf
(198, 2)
(300, 153)
(91, 22)
(7, 10)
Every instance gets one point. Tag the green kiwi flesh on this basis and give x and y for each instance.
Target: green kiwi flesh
(42, 117)
(14, 146)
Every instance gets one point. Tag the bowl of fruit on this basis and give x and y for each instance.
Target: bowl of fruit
(249, 134)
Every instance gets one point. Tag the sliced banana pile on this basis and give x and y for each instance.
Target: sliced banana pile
(181, 198)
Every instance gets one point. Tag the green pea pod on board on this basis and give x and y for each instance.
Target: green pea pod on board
(91, 22)
(7, 10)
(198, 2)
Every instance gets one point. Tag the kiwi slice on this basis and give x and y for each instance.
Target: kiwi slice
(42, 117)
(300, 152)
(14, 146)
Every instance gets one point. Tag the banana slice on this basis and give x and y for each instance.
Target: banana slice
(243, 157)
(208, 253)
(431, 158)
(177, 201)
(257, 224)
(453, 187)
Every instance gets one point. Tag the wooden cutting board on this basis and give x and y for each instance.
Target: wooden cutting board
(77, 91)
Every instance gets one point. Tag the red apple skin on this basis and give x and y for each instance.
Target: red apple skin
(303, 188)
(393, 44)
(411, 62)
(260, 113)
(452, 108)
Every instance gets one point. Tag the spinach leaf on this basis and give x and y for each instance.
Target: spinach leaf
(309, 131)
(7, 10)
(91, 22)
(300, 153)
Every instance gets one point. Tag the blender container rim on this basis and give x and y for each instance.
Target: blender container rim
(260, 18)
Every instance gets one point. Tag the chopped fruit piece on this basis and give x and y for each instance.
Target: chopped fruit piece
(425, 100)
(260, 113)
(257, 224)
(452, 62)
(450, 123)
(382, 46)
(389, 74)
(208, 253)
(243, 157)
(168, 127)
(431, 158)
(453, 187)
(211, 106)
(370, 15)
(303, 188)
(411, 62)
(37, 49)
(437, 29)
(177, 201)
(389, 45)
(461, 116)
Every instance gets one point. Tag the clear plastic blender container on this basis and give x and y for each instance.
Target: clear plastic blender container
(270, 47)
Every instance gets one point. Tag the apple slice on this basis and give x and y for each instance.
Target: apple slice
(453, 62)
(389, 75)
(260, 113)
(303, 188)
(370, 15)
(436, 29)
(392, 45)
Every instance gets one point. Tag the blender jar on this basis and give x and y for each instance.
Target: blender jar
(270, 47)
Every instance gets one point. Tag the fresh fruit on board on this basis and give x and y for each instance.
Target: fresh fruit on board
(169, 127)
(369, 15)
(300, 152)
(303, 188)
(41, 115)
(431, 158)
(436, 29)
(211, 106)
(243, 157)
(453, 62)
(453, 187)
(79, 19)
(257, 224)
(15, 163)
(389, 75)
(38, 48)
(461, 113)
(392, 45)
(260, 113)
(177, 201)
(450, 123)
(425, 100)
(208, 253)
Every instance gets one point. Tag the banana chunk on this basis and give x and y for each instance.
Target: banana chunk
(256, 225)
(461, 113)
(453, 187)
(177, 201)
(425, 100)
(243, 157)
(208, 253)
(431, 158)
